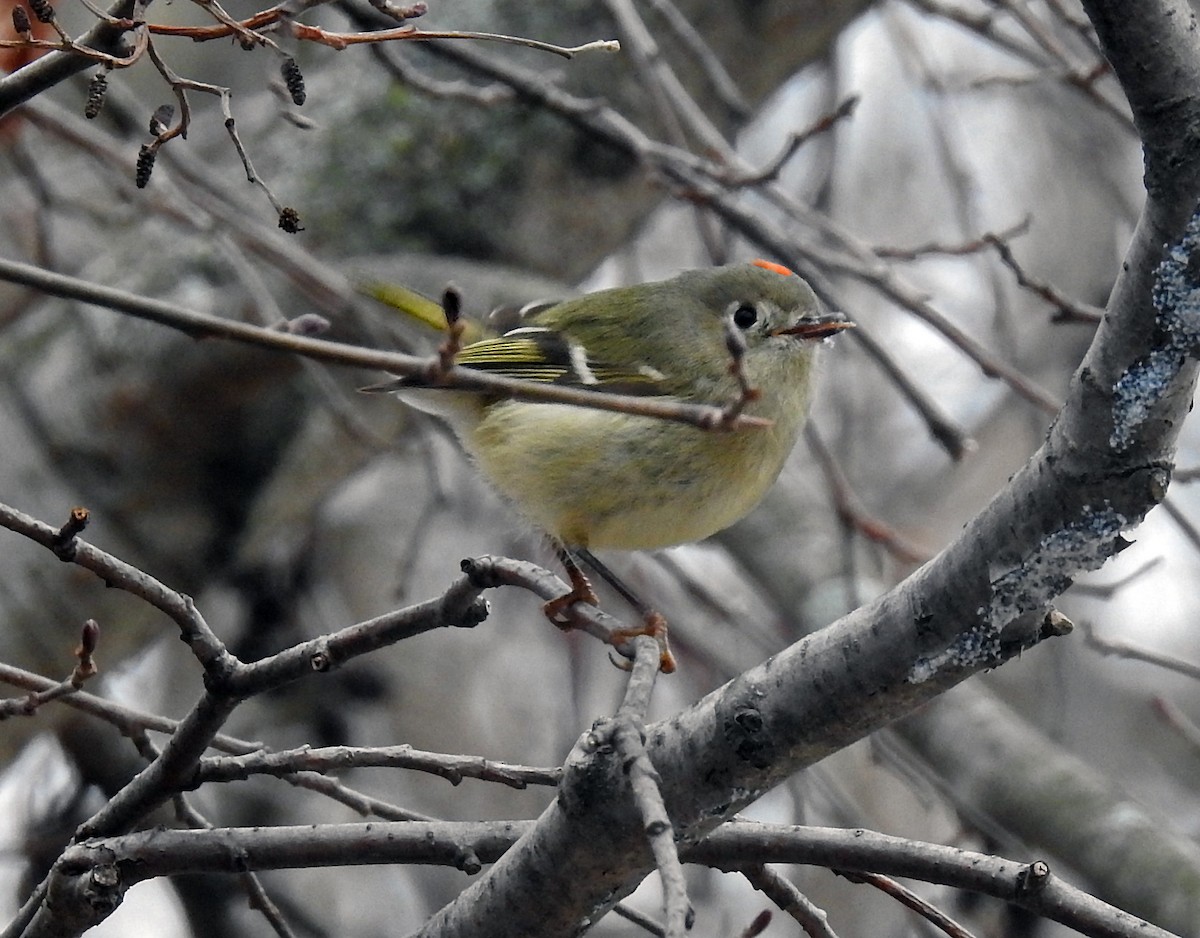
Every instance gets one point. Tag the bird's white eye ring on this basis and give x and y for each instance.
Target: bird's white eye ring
(745, 316)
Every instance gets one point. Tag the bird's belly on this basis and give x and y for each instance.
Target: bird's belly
(688, 513)
(610, 481)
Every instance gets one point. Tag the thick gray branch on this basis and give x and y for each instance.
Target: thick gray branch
(992, 759)
(1105, 464)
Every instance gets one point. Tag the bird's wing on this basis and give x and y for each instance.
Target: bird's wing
(536, 353)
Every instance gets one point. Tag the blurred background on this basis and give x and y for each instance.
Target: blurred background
(289, 505)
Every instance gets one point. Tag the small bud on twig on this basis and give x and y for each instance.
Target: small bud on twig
(400, 13)
(160, 120)
(452, 309)
(64, 539)
(293, 80)
(758, 926)
(305, 324)
(452, 304)
(89, 638)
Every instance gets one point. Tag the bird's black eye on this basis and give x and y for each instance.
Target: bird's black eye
(745, 316)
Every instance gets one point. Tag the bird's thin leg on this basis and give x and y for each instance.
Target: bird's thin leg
(613, 580)
(653, 623)
(581, 590)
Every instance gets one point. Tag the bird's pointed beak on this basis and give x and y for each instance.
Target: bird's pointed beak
(818, 328)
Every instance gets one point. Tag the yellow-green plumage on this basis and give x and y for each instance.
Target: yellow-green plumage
(601, 479)
(605, 480)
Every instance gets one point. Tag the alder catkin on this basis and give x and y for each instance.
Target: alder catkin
(42, 10)
(21, 22)
(289, 220)
(293, 80)
(145, 165)
(96, 91)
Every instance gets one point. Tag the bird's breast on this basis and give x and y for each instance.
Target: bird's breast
(613, 481)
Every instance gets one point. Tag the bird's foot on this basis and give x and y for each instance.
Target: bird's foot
(581, 592)
(654, 624)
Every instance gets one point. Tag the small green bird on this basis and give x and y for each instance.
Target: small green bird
(599, 479)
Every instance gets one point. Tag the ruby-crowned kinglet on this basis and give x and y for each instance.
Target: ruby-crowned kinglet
(603, 479)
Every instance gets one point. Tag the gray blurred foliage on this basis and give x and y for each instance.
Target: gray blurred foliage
(288, 505)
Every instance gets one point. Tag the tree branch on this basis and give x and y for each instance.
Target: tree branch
(978, 603)
(202, 325)
(55, 67)
(147, 854)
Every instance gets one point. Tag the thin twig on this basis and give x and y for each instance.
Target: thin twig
(1068, 310)
(397, 65)
(251, 882)
(341, 41)
(490, 571)
(957, 249)
(85, 667)
(1182, 521)
(1108, 590)
(770, 172)
(1175, 718)
(675, 108)
(453, 768)
(907, 897)
(700, 52)
(247, 37)
(851, 510)
(682, 120)
(986, 25)
(66, 44)
(644, 922)
(203, 325)
(642, 677)
(1123, 649)
(957, 443)
(180, 86)
(214, 205)
(28, 82)
(209, 650)
(783, 892)
(628, 738)
(127, 720)
(1029, 885)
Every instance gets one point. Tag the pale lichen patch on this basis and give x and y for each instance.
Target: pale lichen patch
(1176, 299)
(1044, 573)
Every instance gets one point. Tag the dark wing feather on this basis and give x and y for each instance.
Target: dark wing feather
(538, 354)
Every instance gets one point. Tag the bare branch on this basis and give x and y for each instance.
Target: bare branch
(926, 910)
(453, 768)
(780, 890)
(152, 853)
(851, 510)
(85, 668)
(202, 325)
(1134, 652)
(1067, 310)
